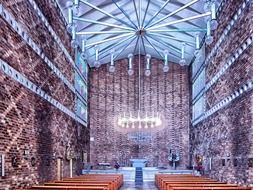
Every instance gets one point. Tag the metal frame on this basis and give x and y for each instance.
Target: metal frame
(137, 26)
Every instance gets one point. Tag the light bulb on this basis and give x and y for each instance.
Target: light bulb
(209, 40)
(74, 43)
(130, 72)
(111, 68)
(69, 4)
(76, 10)
(214, 24)
(97, 64)
(147, 72)
(182, 62)
(165, 68)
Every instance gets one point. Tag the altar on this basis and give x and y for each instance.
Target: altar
(138, 163)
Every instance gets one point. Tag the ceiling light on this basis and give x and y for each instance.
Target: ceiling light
(76, 7)
(214, 23)
(182, 62)
(130, 64)
(166, 63)
(209, 38)
(96, 63)
(197, 44)
(148, 65)
(112, 65)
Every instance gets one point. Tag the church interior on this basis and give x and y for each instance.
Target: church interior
(126, 94)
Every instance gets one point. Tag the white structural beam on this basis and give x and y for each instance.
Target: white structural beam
(109, 39)
(181, 20)
(153, 17)
(106, 13)
(102, 32)
(153, 47)
(174, 12)
(113, 45)
(180, 30)
(126, 15)
(102, 23)
(172, 38)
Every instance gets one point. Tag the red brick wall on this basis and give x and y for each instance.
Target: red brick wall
(227, 134)
(28, 122)
(111, 94)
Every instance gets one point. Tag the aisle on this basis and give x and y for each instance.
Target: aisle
(149, 185)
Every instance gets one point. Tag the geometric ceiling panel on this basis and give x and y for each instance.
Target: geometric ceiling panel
(129, 26)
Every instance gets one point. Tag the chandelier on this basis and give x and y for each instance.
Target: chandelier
(140, 120)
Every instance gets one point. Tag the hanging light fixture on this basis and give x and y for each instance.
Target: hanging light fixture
(148, 65)
(130, 70)
(74, 43)
(83, 53)
(112, 64)
(76, 7)
(182, 62)
(209, 37)
(70, 18)
(96, 63)
(197, 43)
(166, 63)
(138, 120)
(214, 23)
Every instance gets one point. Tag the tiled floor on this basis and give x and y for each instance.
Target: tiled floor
(145, 186)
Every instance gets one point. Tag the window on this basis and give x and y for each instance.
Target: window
(81, 74)
(198, 87)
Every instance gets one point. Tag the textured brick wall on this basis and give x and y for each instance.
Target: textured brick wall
(111, 94)
(226, 136)
(26, 121)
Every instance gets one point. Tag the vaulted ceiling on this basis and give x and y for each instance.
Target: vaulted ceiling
(130, 26)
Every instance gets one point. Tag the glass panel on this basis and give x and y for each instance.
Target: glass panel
(81, 110)
(199, 84)
(82, 65)
(81, 86)
(198, 108)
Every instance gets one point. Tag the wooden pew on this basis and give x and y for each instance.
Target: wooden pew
(41, 187)
(85, 182)
(186, 182)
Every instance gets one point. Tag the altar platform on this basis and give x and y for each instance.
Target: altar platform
(148, 172)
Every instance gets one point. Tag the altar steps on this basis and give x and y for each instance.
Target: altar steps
(138, 175)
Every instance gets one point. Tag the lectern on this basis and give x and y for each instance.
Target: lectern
(138, 163)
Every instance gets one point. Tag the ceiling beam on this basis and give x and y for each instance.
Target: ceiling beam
(145, 13)
(102, 23)
(181, 20)
(126, 15)
(153, 47)
(161, 8)
(106, 13)
(173, 13)
(192, 43)
(109, 39)
(103, 32)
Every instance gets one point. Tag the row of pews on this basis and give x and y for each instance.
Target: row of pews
(186, 182)
(85, 182)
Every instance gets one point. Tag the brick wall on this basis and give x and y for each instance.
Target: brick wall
(112, 94)
(226, 136)
(28, 122)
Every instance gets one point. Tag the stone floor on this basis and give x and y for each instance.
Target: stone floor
(149, 185)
